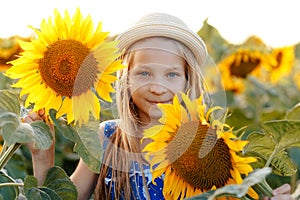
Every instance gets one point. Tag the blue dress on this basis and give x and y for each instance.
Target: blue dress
(135, 174)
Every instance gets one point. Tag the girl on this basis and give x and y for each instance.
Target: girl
(163, 58)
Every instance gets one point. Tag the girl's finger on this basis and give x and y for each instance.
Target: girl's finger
(284, 189)
(32, 116)
(41, 112)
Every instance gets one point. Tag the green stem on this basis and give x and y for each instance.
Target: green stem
(11, 184)
(270, 158)
(5, 157)
(263, 188)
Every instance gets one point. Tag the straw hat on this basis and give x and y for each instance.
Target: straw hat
(161, 24)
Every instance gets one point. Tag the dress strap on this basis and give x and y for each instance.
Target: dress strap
(109, 129)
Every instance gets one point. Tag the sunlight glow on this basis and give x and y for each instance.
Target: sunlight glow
(275, 22)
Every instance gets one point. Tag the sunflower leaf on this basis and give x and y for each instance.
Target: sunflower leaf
(32, 191)
(42, 135)
(13, 131)
(217, 45)
(9, 102)
(9, 192)
(58, 181)
(81, 145)
(22, 134)
(56, 186)
(90, 139)
(9, 123)
(294, 113)
(284, 133)
(271, 145)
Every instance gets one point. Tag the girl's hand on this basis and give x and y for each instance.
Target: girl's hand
(42, 160)
(281, 193)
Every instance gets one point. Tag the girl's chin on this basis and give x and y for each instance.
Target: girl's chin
(155, 113)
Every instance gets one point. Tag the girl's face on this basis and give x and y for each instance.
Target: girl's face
(155, 76)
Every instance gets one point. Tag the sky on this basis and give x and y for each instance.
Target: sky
(276, 22)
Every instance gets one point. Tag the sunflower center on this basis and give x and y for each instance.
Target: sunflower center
(244, 68)
(279, 58)
(199, 157)
(68, 67)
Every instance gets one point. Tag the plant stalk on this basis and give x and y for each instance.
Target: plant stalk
(11, 184)
(5, 157)
(264, 188)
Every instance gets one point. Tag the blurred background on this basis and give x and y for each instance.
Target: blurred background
(254, 49)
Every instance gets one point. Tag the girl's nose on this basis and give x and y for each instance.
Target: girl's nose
(157, 88)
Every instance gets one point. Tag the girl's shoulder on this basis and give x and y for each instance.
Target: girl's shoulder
(107, 128)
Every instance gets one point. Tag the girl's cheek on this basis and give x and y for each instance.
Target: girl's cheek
(178, 87)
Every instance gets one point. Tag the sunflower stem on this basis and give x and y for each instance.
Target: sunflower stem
(270, 158)
(264, 188)
(6, 155)
(4, 148)
(11, 184)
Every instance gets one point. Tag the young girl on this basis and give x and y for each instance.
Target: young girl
(163, 58)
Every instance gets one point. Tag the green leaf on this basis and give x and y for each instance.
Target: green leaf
(57, 186)
(261, 147)
(90, 139)
(14, 131)
(23, 134)
(9, 102)
(30, 182)
(31, 189)
(58, 181)
(8, 192)
(34, 193)
(285, 133)
(42, 135)
(271, 145)
(51, 193)
(294, 113)
(9, 123)
(85, 148)
(215, 43)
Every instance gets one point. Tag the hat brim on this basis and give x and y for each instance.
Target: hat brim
(179, 33)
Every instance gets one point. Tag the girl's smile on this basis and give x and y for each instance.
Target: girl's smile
(155, 76)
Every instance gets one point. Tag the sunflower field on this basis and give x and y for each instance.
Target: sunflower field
(256, 84)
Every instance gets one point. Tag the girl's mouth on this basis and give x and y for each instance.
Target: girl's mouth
(162, 102)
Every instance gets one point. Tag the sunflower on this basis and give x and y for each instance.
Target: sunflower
(242, 63)
(67, 67)
(284, 62)
(9, 49)
(194, 155)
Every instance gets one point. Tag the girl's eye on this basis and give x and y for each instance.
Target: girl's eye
(144, 74)
(172, 75)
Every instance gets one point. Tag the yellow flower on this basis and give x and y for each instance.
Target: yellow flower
(67, 67)
(284, 62)
(237, 66)
(194, 155)
(9, 49)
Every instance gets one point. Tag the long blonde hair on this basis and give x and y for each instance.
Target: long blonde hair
(124, 144)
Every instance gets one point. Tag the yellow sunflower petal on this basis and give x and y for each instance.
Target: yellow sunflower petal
(253, 194)
(69, 58)
(157, 146)
(171, 152)
(192, 110)
(157, 173)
